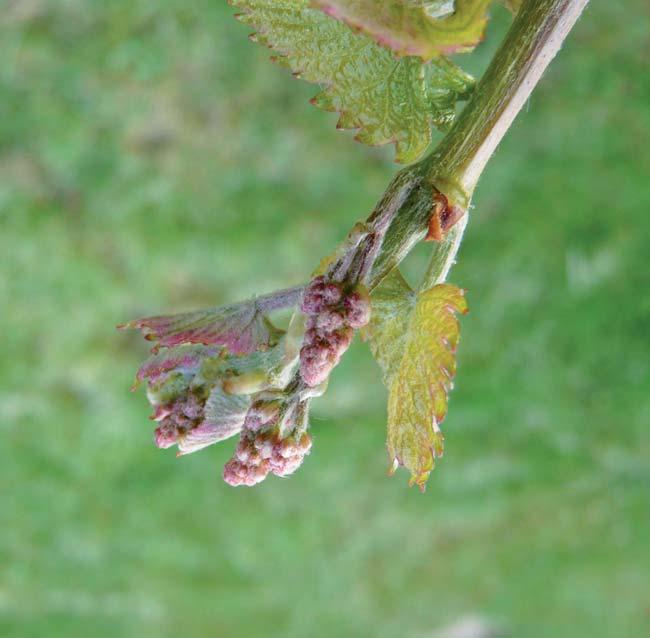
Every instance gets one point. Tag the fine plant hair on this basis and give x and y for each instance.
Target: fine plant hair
(383, 66)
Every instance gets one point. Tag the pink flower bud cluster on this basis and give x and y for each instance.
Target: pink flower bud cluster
(334, 312)
(259, 453)
(262, 450)
(177, 418)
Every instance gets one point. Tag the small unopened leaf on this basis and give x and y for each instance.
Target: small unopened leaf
(223, 417)
(425, 29)
(414, 338)
(188, 357)
(241, 328)
(388, 100)
(185, 386)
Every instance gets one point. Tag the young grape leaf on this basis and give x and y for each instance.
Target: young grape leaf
(425, 29)
(241, 328)
(413, 337)
(388, 100)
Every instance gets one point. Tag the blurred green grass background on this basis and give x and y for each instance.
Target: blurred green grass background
(151, 159)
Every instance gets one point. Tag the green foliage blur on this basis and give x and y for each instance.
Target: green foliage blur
(153, 160)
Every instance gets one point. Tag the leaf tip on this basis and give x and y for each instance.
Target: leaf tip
(420, 479)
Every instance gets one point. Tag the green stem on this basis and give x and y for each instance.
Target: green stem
(455, 165)
(534, 38)
(444, 256)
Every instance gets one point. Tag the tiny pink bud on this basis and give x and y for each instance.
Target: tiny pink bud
(252, 422)
(341, 339)
(243, 451)
(233, 472)
(311, 334)
(287, 448)
(264, 446)
(357, 307)
(317, 284)
(304, 444)
(329, 320)
(332, 294)
(255, 459)
(165, 436)
(315, 354)
(260, 472)
(313, 300)
(314, 374)
(287, 466)
(192, 407)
